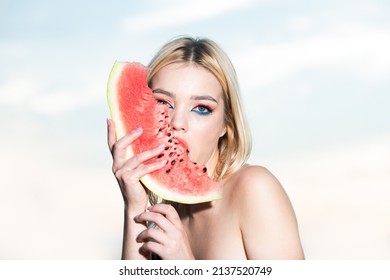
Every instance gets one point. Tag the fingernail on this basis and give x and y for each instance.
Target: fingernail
(163, 162)
(138, 130)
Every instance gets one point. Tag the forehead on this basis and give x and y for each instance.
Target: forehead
(188, 78)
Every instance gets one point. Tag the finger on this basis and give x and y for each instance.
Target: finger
(153, 247)
(156, 218)
(126, 140)
(119, 148)
(111, 136)
(168, 211)
(134, 175)
(151, 234)
(140, 158)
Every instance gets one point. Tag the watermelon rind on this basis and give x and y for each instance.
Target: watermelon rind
(155, 187)
(112, 98)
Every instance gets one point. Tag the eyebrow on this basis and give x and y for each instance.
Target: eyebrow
(159, 90)
(194, 97)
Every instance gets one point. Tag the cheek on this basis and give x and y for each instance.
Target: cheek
(204, 140)
(209, 130)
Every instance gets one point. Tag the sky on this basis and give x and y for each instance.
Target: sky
(314, 77)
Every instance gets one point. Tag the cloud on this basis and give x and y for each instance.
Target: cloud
(13, 50)
(297, 24)
(14, 92)
(57, 102)
(351, 48)
(38, 97)
(182, 12)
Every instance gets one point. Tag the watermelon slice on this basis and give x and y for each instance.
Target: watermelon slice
(133, 105)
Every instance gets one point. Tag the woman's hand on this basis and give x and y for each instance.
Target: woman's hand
(129, 171)
(170, 240)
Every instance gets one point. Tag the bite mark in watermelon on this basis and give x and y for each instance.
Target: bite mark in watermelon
(133, 105)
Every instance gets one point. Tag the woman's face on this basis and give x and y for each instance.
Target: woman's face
(194, 98)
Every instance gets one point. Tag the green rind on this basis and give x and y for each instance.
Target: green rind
(112, 100)
(167, 194)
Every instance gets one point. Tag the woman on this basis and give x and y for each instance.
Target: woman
(254, 220)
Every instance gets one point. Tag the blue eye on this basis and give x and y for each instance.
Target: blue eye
(165, 103)
(202, 110)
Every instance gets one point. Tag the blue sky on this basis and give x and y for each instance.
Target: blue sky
(314, 77)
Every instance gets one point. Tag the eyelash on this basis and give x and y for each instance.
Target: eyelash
(207, 110)
(165, 103)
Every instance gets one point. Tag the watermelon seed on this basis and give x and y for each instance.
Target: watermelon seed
(170, 141)
(168, 170)
(171, 154)
(169, 134)
(173, 162)
(204, 170)
(166, 148)
(160, 155)
(181, 160)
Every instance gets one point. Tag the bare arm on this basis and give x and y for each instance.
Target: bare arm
(267, 219)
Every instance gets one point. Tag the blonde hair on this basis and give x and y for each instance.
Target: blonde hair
(235, 146)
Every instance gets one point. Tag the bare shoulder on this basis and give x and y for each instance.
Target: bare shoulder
(266, 217)
(256, 188)
(254, 182)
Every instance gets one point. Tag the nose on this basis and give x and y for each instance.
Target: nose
(179, 121)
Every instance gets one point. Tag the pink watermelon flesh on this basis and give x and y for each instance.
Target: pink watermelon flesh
(133, 105)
